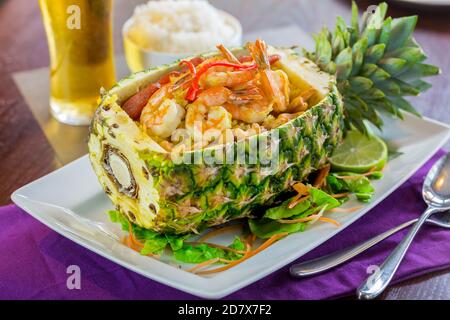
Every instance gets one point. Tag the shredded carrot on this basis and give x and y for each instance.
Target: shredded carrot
(346, 209)
(297, 201)
(134, 244)
(349, 177)
(356, 176)
(318, 209)
(203, 264)
(320, 178)
(301, 189)
(249, 243)
(340, 195)
(269, 242)
(214, 245)
(305, 219)
(220, 231)
(127, 241)
(374, 168)
(249, 254)
(293, 200)
(332, 221)
(132, 240)
(228, 266)
(309, 218)
(248, 247)
(251, 238)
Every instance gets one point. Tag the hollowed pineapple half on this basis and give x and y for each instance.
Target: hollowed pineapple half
(159, 192)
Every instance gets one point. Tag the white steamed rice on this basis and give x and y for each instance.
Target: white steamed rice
(179, 27)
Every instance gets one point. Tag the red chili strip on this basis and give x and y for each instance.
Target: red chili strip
(193, 90)
(197, 60)
(134, 105)
(165, 79)
(190, 65)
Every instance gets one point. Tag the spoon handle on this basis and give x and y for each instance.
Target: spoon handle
(312, 267)
(379, 280)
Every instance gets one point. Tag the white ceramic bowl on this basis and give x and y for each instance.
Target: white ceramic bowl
(139, 58)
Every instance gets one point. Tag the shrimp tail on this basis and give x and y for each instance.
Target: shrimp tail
(228, 54)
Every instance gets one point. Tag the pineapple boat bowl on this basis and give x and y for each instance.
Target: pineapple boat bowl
(224, 167)
(209, 139)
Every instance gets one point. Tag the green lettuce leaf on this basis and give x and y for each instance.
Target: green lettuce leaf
(197, 254)
(154, 242)
(283, 212)
(154, 246)
(361, 186)
(266, 228)
(335, 185)
(176, 242)
(376, 175)
(116, 217)
(237, 244)
(320, 198)
(200, 253)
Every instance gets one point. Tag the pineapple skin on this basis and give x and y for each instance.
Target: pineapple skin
(178, 198)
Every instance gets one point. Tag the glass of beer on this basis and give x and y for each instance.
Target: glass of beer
(79, 34)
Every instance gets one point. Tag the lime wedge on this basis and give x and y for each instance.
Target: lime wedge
(359, 153)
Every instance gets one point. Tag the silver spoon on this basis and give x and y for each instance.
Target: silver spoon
(327, 262)
(436, 193)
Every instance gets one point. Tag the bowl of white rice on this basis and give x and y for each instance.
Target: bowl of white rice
(163, 31)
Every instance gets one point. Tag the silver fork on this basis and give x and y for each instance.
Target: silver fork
(330, 261)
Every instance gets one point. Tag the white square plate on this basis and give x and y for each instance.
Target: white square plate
(71, 202)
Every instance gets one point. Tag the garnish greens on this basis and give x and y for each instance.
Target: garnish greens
(153, 243)
(308, 208)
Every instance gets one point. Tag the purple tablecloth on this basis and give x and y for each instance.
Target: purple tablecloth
(34, 259)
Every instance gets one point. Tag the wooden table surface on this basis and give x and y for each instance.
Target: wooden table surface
(26, 154)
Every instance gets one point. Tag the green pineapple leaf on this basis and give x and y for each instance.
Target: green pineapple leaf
(402, 29)
(344, 63)
(377, 63)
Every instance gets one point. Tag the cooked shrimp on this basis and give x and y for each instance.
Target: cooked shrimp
(225, 137)
(206, 118)
(249, 105)
(272, 122)
(282, 83)
(180, 135)
(251, 113)
(226, 78)
(240, 134)
(181, 138)
(300, 103)
(162, 115)
(274, 83)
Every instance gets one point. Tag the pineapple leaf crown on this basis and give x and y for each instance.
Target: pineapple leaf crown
(377, 63)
